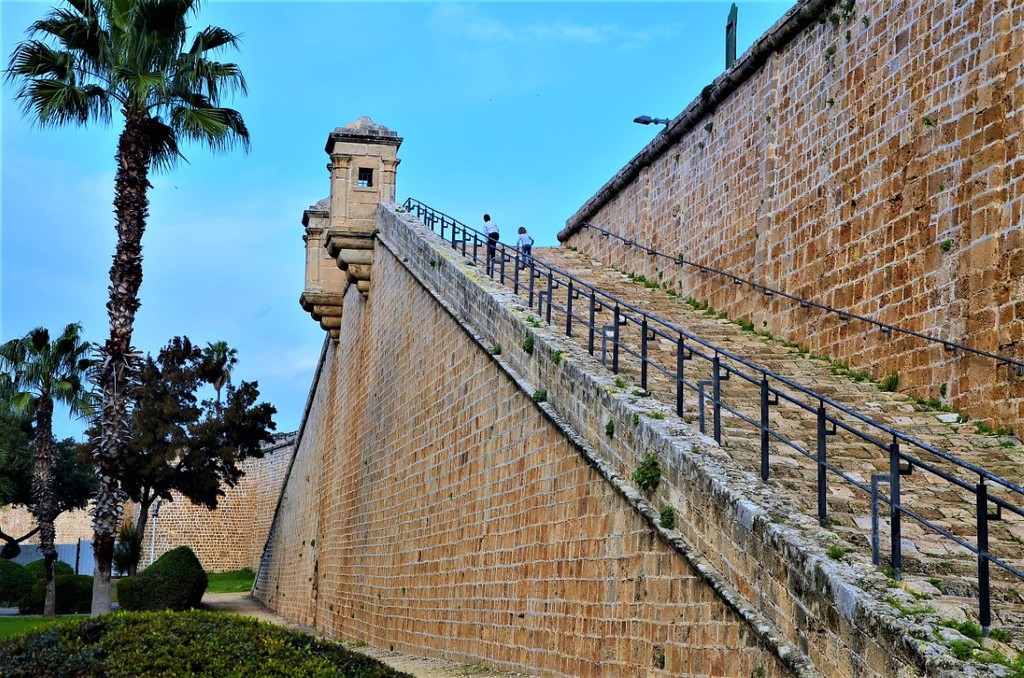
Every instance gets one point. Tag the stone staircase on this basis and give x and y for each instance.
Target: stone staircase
(942, 572)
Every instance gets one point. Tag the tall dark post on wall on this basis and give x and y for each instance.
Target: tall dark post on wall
(730, 38)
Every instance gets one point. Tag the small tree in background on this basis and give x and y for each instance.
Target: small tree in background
(37, 373)
(182, 444)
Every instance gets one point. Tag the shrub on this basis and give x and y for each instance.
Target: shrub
(37, 569)
(179, 644)
(176, 581)
(15, 582)
(73, 594)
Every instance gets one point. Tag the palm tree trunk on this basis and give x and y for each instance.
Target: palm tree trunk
(43, 499)
(118, 368)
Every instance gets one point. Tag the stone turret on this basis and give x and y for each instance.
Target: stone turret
(340, 229)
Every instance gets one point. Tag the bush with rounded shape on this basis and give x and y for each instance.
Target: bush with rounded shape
(37, 568)
(15, 582)
(175, 581)
(73, 594)
(195, 643)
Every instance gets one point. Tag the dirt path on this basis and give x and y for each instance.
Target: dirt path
(421, 667)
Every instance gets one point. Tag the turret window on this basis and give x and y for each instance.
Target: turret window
(365, 177)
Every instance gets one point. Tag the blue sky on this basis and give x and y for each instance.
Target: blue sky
(522, 110)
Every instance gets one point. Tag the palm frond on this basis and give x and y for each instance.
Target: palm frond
(210, 78)
(163, 144)
(33, 59)
(219, 128)
(211, 38)
(53, 102)
(78, 33)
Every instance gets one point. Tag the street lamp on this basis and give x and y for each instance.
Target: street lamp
(647, 120)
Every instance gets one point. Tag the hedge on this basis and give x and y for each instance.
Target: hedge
(195, 643)
(37, 568)
(74, 595)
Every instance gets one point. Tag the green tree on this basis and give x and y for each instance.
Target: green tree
(74, 480)
(37, 373)
(181, 444)
(84, 62)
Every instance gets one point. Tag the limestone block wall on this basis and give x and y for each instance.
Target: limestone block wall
(865, 155)
(453, 516)
(71, 526)
(231, 536)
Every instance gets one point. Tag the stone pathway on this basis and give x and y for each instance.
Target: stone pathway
(420, 667)
(928, 555)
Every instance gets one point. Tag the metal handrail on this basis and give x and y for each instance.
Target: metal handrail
(1013, 365)
(688, 346)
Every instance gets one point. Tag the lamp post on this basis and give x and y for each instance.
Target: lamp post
(648, 120)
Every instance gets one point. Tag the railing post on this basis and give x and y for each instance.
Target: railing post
(643, 353)
(568, 311)
(895, 533)
(764, 428)
(716, 396)
(454, 234)
(501, 267)
(591, 329)
(533, 276)
(984, 594)
(547, 317)
(822, 474)
(680, 363)
(615, 342)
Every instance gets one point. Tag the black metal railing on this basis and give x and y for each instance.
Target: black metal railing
(903, 453)
(1012, 365)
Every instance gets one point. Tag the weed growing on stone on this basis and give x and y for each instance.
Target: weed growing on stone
(647, 475)
(836, 552)
(636, 419)
(946, 245)
(667, 517)
(496, 349)
(656, 415)
(1000, 635)
(528, 344)
(540, 395)
(891, 382)
(556, 356)
(620, 382)
(640, 393)
(928, 121)
(609, 428)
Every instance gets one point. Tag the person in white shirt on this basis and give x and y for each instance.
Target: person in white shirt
(491, 229)
(525, 245)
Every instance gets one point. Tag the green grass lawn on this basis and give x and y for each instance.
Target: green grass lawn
(237, 581)
(12, 626)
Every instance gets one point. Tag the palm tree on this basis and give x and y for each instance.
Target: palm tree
(37, 374)
(218, 362)
(92, 57)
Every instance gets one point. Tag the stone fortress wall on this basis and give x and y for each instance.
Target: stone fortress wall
(866, 155)
(433, 508)
(231, 536)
